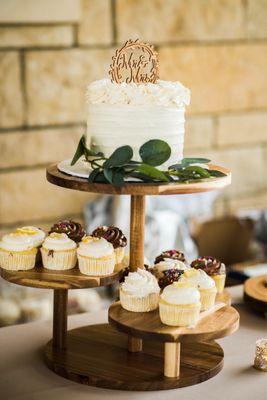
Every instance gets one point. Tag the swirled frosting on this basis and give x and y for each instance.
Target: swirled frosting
(180, 293)
(73, 229)
(112, 234)
(198, 278)
(164, 93)
(58, 241)
(167, 264)
(140, 283)
(36, 234)
(210, 265)
(172, 254)
(16, 241)
(95, 247)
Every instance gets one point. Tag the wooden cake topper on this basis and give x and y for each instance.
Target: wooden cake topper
(134, 62)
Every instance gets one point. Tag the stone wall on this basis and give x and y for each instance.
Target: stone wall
(50, 51)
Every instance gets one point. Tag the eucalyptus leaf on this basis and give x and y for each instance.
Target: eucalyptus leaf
(118, 178)
(202, 172)
(155, 152)
(119, 157)
(93, 175)
(79, 151)
(216, 173)
(194, 160)
(176, 167)
(152, 172)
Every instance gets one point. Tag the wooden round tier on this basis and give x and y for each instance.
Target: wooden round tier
(148, 325)
(97, 355)
(42, 278)
(255, 294)
(71, 182)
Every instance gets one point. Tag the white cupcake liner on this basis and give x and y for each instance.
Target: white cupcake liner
(59, 260)
(139, 304)
(119, 254)
(207, 298)
(96, 266)
(179, 315)
(219, 280)
(17, 261)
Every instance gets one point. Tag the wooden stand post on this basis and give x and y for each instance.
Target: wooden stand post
(137, 236)
(172, 360)
(60, 318)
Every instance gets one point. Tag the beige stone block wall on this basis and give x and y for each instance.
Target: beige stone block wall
(50, 51)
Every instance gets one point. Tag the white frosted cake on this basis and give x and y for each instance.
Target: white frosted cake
(131, 114)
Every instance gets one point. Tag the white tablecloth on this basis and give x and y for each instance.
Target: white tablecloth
(23, 375)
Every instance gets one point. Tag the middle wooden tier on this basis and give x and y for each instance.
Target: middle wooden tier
(147, 325)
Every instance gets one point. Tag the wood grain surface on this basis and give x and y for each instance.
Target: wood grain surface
(148, 325)
(97, 355)
(42, 278)
(71, 182)
(255, 294)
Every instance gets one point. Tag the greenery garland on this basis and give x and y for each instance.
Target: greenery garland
(119, 166)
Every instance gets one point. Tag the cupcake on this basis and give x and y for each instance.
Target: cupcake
(17, 252)
(37, 236)
(96, 256)
(214, 268)
(72, 229)
(114, 236)
(168, 271)
(172, 254)
(204, 284)
(140, 291)
(59, 252)
(179, 304)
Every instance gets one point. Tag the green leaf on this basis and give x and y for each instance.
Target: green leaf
(118, 179)
(79, 151)
(155, 152)
(152, 172)
(93, 175)
(114, 176)
(202, 172)
(216, 173)
(176, 167)
(108, 173)
(119, 157)
(194, 160)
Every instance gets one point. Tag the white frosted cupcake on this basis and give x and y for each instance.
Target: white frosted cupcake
(204, 284)
(96, 256)
(59, 252)
(17, 252)
(37, 236)
(140, 291)
(179, 304)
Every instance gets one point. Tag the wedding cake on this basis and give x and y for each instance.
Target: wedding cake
(134, 106)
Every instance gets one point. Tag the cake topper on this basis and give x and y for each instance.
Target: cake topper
(136, 61)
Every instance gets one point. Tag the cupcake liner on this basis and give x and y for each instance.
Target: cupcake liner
(139, 304)
(219, 282)
(119, 254)
(207, 298)
(18, 260)
(179, 314)
(59, 260)
(96, 266)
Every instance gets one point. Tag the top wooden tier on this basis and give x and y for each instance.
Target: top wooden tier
(71, 182)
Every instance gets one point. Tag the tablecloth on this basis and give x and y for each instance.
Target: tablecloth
(24, 376)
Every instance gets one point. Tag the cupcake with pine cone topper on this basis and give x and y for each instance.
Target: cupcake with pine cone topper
(168, 271)
(72, 229)
(172, 254)
(214, 268)
(114, 236)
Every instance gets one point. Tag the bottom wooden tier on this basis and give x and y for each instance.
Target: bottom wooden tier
(97, 355)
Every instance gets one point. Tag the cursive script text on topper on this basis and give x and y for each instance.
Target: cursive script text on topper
(134, 62)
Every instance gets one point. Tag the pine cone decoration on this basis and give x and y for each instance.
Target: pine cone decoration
(72, 229)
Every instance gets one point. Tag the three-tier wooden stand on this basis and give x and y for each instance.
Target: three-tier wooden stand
(135, 351)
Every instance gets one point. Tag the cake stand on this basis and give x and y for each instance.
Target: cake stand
(117, 355)
(255, 294)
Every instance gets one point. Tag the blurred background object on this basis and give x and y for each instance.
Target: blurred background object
(51, 50)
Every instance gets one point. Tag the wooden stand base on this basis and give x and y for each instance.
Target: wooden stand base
(97, 355)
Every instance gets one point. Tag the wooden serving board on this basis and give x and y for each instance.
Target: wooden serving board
(148, 325)
(97, 355)
(71, 182)
(42, 278)
(255, 294)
